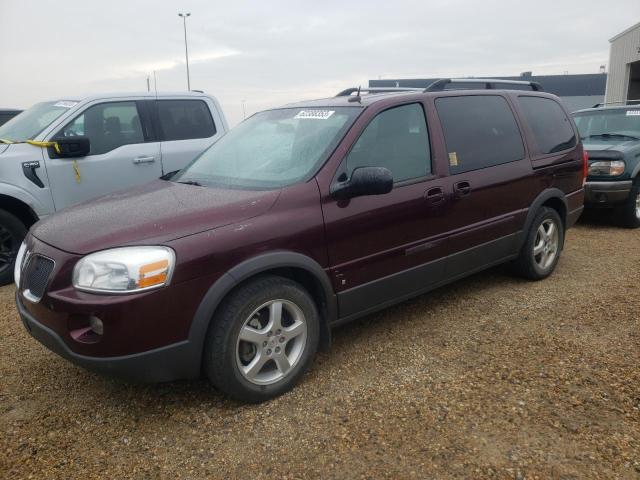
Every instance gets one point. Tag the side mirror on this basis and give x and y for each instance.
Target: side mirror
(364, 181)
(72, 147)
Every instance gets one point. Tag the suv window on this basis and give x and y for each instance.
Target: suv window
(479, 131)
(185, 119)
(108, 126)
(551, 128)
(396, 139)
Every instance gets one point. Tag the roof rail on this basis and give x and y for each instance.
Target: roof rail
(349, 91)
(623, 102)
(489, 84)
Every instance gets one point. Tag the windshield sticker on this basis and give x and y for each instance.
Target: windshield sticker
(315, 114)
(453, 159)
(65, 104)
(631, 113)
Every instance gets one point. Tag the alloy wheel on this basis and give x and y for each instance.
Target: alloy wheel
(546, 244)
(271, 342)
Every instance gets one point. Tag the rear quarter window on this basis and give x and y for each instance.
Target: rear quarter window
(185, 120)
(479, 131)
(551, 128)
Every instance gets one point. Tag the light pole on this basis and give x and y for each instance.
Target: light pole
(186, 50)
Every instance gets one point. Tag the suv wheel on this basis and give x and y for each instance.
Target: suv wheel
(262, 339)
(541, 251)
(629, 212)
(12, 232)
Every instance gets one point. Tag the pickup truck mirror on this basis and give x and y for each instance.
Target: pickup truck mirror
(364, 181)
(79, 146)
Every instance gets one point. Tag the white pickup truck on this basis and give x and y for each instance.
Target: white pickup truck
(65, 151)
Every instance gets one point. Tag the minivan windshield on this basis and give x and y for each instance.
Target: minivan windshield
(271, 149)
(612, 124)
(33, 120)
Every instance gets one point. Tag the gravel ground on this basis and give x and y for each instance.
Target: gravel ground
(492, 377)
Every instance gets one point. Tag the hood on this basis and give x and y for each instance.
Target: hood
(611, 145)
(154, 213)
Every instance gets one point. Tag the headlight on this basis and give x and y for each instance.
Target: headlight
(606, 168)
(124, 270)
(18, 267)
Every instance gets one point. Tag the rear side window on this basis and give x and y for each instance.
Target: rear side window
(396, 139)
(479, 132)
(185, 119)
(551, 128)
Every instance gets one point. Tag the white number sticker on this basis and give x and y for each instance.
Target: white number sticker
(631, 113)
(65, 104)
(315, 114)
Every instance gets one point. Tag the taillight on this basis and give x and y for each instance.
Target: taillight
(585, 166)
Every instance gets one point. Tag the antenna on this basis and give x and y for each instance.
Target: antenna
(357, 97)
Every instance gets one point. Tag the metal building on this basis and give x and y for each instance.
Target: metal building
(624, 66)
(577, 91)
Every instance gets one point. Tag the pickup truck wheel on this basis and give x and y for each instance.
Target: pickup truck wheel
(541, 251)
(629, 212)
(262, 339)
(12, 232)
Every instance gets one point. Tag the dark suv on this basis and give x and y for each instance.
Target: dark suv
(299, 219)
(611, 136)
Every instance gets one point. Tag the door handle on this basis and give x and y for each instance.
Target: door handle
(434, 196)
(139, 160)
(461, 189)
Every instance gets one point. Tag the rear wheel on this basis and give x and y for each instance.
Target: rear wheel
(262, 340)
(541, 252)
(12, 233)
(629, 212)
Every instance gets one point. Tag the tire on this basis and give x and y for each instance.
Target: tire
(12, 233)
(629, 213)
(536, 266)
(261, 366)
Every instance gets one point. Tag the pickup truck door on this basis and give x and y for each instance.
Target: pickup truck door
(124, 153)
(187, 127)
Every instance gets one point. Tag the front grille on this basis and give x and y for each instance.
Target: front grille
(36, 275)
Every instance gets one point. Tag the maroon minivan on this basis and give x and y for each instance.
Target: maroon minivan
(299, 219)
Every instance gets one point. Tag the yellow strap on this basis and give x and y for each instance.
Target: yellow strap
(76, 170)
(44, 144)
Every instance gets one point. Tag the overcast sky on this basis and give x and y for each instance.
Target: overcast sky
(272, 52)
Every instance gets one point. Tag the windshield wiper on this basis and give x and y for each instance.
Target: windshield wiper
(613, 135)
(190, 182)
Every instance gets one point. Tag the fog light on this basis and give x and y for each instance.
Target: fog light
(96, 325)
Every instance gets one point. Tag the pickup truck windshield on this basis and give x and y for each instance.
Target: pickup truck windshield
(32, 121)
(614, 124)
(271, 149)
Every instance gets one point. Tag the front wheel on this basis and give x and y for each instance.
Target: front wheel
(541, 251)
(12, 232)
(262, 339)
(629, 212)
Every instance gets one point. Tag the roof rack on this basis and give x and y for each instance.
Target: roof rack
(489, 83)
(623, 102)
(349, 91)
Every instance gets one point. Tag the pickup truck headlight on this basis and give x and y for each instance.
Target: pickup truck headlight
(606, 168)
(125, 270)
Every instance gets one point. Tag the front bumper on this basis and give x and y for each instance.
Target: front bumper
(163, 364)
(605, 194)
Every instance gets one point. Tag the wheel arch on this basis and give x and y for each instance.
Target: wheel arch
(18, 208)
(552, 198)
(295, 266)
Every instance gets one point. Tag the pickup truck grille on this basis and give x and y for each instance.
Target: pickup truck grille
(36, 276)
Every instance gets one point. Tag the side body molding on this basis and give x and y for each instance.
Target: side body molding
(248, 269)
